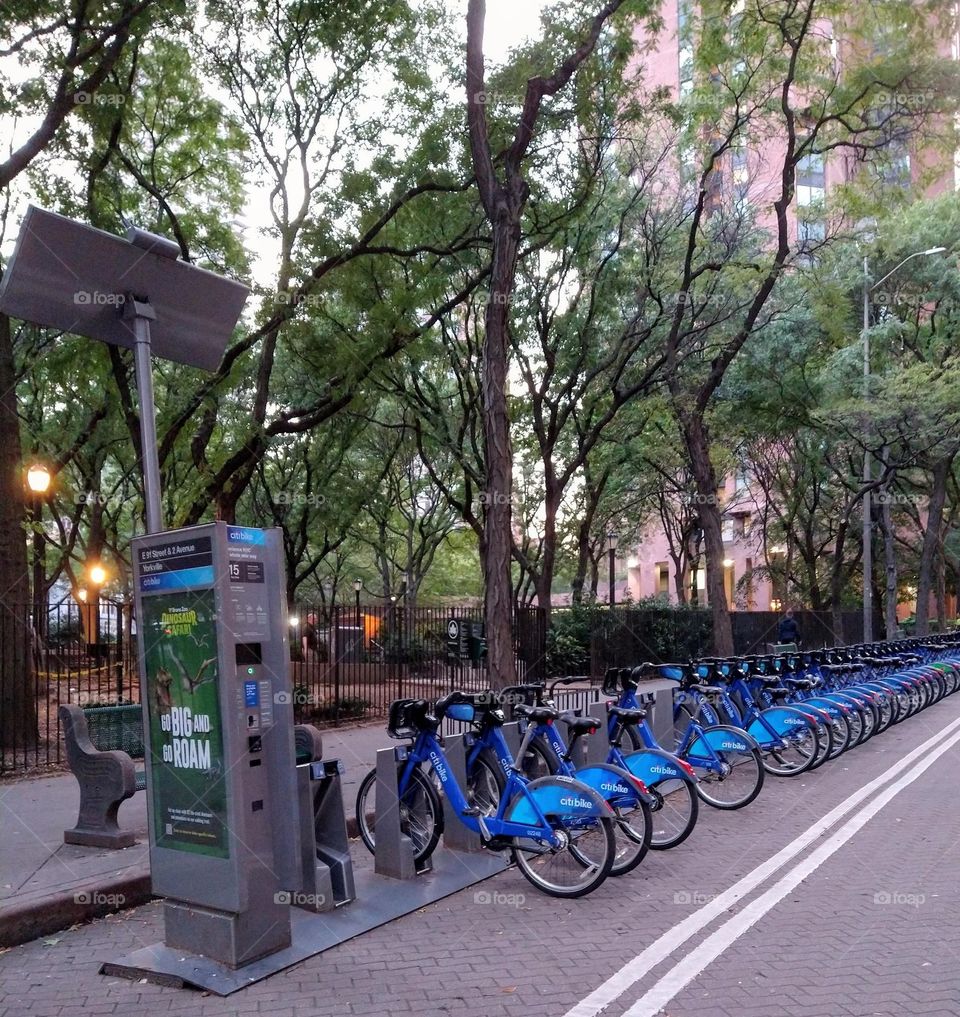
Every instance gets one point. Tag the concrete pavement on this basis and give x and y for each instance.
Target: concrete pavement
(46, 885)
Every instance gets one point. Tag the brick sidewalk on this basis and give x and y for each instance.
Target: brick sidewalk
(504, 949)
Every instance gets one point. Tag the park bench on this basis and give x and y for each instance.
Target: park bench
(102, 744)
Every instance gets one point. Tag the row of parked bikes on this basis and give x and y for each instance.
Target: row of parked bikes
(570, 825)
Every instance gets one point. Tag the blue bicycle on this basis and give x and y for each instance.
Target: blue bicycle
(559, 831)
(726, 758)
(670, 782)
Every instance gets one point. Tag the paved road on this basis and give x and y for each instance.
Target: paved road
(772, 910)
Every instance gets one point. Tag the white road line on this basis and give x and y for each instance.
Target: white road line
(684, 971)
(658, 951)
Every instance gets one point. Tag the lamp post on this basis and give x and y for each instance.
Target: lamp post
(38, 481)
(357, 587)
(612, 541)
(867, 471)
(97, 575)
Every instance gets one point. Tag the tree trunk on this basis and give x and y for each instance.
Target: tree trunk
(705, 477)
(931, 541)
(498, 454)
(18, 703)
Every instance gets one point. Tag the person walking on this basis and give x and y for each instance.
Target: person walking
(788, 631)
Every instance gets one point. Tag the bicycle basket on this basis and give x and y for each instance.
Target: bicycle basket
(611, 682)
(520, 695)
(407, 718)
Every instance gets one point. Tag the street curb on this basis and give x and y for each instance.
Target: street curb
(82, 903)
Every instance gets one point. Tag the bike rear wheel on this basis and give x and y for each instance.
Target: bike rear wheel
(580, 863)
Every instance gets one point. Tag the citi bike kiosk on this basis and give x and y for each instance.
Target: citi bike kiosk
(219, 737)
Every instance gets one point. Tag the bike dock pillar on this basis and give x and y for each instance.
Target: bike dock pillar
(324, 844)
(597, 745)
(513, 738)
(456, 835)
(394, 850)
(659, 695)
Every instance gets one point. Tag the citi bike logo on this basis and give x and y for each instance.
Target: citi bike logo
(439, 767)
(665, 771)
(577, 803)
(617, 788)
(733, 746)
(794, 722)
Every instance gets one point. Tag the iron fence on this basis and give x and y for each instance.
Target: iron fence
(358, 663)
(85, 656)
(350, 662)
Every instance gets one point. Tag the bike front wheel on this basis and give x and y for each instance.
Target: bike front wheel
(674, 813)
(421, 812)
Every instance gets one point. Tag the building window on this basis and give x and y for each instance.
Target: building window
(663, 579)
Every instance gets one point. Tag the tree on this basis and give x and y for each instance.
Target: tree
(504, 192)
(768, 71)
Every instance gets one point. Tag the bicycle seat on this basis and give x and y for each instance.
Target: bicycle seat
(628, 715)
(535, 714)
(802, 683)
(580, 725)
(705, 689)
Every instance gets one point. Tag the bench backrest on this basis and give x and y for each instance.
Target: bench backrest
(116, 727)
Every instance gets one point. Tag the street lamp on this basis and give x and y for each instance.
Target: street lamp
(97, 575)
(867, 472)
(612, 541)
(38, 478)
(38, 481)
(357, 587)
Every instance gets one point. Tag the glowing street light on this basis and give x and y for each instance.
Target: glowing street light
(97, 574)
(38, 478)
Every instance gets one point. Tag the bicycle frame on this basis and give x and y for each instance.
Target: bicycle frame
(576, 808)
(694, 734)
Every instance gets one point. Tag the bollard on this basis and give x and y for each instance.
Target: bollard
(394, 850)
(456, 836)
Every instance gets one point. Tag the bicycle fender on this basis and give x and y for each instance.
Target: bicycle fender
(614, 784)
(825, 705)
(783, 720)
(654, 765)
(557, 796)
(721, 738)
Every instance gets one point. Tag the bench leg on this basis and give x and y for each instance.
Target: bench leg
(97, 821)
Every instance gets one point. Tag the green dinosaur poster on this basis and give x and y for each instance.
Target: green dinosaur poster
(186, 732)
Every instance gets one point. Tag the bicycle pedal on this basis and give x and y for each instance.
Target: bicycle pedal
(473, 812)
